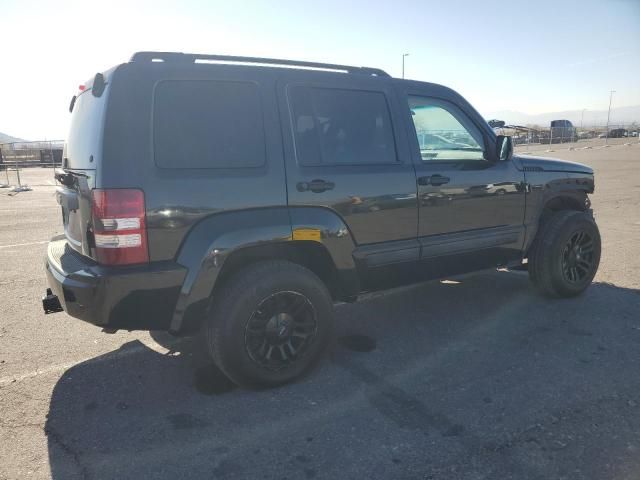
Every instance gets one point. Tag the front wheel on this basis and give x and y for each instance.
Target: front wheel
(565, 255)
(269, 323)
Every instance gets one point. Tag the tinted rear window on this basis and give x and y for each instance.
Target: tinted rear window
(208, 124)
(341, 127)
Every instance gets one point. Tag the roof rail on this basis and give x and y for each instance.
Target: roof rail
(177, 57)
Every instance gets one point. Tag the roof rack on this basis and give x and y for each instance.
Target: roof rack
(177, 57)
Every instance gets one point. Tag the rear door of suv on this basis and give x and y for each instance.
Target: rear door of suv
(345, 150)
(82, 157)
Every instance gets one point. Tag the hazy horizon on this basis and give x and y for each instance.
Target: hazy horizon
(523, 57)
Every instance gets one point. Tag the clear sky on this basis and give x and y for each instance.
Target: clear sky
(529, 56)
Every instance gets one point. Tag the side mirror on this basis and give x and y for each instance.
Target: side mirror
(504, 148)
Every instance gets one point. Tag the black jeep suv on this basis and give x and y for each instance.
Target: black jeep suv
(242, 197)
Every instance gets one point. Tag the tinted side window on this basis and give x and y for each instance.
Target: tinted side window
(341, 127)
(208, 124)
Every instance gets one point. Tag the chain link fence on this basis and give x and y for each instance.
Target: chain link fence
(16, 156)
(538, 139)
(27, 154)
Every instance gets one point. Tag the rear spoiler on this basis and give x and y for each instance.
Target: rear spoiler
(96, 85)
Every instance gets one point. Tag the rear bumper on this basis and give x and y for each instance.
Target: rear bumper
(141, 297)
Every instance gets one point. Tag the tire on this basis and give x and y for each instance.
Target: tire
(565, 254)
(275, 303)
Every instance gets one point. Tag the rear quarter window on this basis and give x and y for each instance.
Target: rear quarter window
(208, 124)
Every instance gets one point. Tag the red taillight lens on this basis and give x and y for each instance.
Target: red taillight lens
(119, 227)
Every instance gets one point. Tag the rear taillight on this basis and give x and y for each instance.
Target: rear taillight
(119, 227)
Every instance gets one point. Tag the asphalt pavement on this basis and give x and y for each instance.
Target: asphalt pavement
(476, 377)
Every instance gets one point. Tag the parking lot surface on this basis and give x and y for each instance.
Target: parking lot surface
(476, 377)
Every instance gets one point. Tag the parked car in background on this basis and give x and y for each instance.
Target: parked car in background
(618, 133)
(520, 139)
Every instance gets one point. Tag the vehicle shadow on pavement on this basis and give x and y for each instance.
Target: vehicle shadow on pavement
(475, 378)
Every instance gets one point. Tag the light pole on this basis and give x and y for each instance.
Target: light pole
(582, 118)
(606, 139)
(403, 55)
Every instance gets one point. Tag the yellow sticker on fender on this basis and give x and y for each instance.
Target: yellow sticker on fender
(307, 234)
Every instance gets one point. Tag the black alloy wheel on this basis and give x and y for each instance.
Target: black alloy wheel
(280, 330)
(577, 257)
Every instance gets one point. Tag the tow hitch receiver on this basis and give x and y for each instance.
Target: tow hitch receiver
(51, 303)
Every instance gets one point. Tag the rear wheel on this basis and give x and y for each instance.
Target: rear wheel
(269, 324)
(565, 254)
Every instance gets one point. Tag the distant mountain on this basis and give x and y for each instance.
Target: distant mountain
(619, 115)
(4, 138)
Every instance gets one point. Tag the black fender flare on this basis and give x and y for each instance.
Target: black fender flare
(215, 238)
(546, 187)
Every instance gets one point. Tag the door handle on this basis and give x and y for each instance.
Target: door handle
(434, 180)
(315, 186)
(439, 180)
